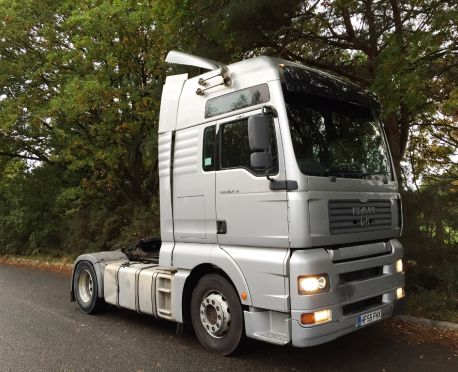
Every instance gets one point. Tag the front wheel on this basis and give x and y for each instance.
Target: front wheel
(85, 286)
(216, 314)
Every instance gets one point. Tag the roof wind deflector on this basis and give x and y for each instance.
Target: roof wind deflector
(181, 58)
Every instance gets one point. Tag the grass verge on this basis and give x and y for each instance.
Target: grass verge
(62, 265)
(432, 305)
(432, 291)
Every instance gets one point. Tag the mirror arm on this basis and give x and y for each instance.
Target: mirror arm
(268, 176)
(266, 110)
(276, 185)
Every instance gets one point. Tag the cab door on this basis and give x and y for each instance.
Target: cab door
(248, 212)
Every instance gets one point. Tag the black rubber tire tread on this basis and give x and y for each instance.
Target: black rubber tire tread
(96, 304)
(229, 342)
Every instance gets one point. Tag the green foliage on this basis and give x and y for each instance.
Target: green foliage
(431, 241)
(27, 217)
(80, 89)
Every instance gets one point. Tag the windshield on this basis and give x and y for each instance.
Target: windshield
(335, 138)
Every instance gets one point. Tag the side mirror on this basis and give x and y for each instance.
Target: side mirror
(258, 133)
(261, 160)
(258, 138)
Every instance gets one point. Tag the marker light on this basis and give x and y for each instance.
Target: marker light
(400, 293)
(320, 316)
(399, 267)
(313, 284)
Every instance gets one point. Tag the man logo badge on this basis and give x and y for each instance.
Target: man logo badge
(365, 221)
(364, 211)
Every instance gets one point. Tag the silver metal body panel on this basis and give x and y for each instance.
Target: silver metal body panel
(187, 256)
(193, 190)
(145, 288)
(265, 271)
(169, 102)
(269, 326)
(99, 261)
(318, 261)
(181, 58)
(146, 285)
(165, 254)
(309, 336)
(309, 220)
(179, 281)
(191, 110)
(165, 192)
(244, 200)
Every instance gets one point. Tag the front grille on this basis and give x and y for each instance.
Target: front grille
(358, 275)
(357, 307)
(353, 216)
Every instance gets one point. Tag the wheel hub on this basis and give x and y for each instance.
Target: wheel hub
(85, 286)
(215, 314)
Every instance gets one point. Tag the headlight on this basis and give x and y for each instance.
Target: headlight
(399, 267)
(313, 284)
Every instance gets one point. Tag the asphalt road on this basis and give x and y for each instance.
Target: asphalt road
(41, 330)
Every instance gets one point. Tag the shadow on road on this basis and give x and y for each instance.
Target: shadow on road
(372, 348)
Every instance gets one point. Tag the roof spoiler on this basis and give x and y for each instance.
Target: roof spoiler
(181, 58)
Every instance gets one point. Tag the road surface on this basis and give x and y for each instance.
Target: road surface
(41, 330)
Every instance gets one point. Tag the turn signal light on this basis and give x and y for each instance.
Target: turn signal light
(399, 266)
(320, 316)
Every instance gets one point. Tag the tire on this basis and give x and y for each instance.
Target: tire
(85, 287)
(216, 314)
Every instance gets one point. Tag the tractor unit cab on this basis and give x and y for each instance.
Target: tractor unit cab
(279, 209)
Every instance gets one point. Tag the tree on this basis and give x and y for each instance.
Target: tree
(80, 86)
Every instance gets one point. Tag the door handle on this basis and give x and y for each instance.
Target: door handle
(221, 227)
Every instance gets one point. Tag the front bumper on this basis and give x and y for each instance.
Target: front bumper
(347, 300)
(314, 335)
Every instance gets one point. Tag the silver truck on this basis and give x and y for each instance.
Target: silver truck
(279, 210)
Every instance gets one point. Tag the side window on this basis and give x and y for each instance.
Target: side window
(237, 100)
(208, 150)
(235, 149)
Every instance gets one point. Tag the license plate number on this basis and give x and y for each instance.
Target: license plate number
(369, 318)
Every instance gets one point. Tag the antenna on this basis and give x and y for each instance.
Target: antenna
(181, 58)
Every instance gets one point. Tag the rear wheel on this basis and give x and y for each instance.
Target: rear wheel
(216, 314)
(85, 286)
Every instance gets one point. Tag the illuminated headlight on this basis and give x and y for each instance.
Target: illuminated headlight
(399, 267)
(400, 293)
(313, 284)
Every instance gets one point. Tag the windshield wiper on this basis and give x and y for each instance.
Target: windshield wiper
(344, 173)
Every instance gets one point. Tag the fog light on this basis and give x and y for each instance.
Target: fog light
(313, 284)
(399, 267)
(400, 293)
(320, 316)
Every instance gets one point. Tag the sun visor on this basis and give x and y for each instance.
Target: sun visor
(317, 83)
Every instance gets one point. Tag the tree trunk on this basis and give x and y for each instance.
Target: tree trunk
(392, 132)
